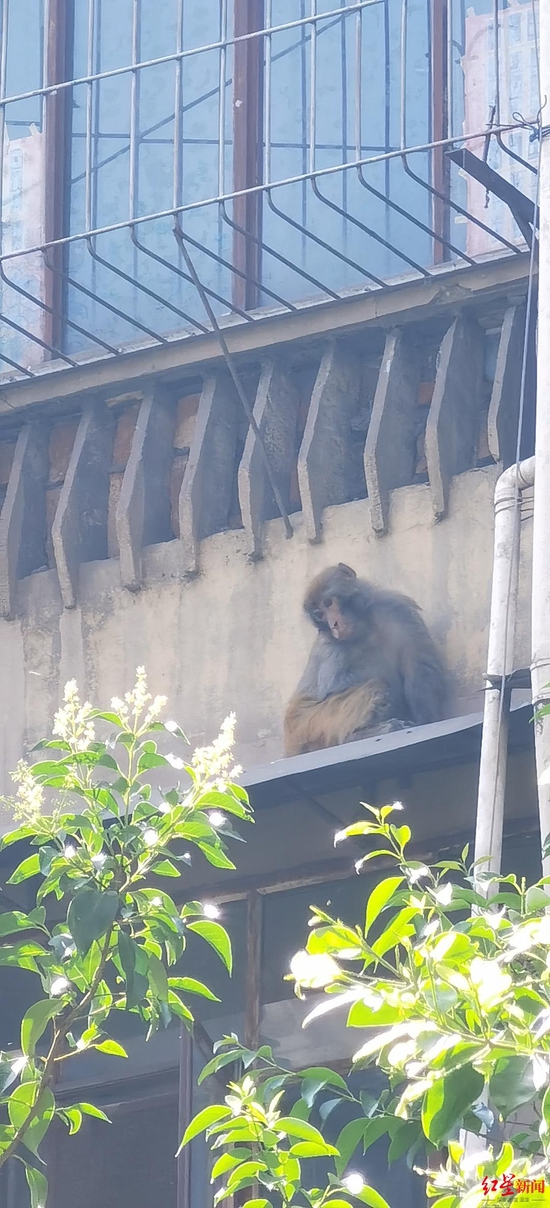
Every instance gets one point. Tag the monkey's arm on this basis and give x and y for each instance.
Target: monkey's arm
(318, 678)
(424, 676)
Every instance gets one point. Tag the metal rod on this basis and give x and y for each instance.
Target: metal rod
(253, 989)
(243, 314)
(222, 99)
(312, 88)
(134, 113)
(186, 54)
(323, 243)
(89, 161)
(368, 230)
(268, 57)
(180, 237)
(382, 157)
(177, 182)
(185, 1114)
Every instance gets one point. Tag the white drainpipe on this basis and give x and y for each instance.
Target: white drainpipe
(540, 651)
(500, 661)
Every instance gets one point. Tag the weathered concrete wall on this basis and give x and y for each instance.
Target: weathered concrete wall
(234, 637)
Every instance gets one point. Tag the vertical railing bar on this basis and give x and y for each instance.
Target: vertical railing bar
(497, 61)
(344, 127)
(92, 132)
(267, 94)
(134, 112)
(185, 1114)
(387, 92)
(3, 119)
(312, 87)
(358, 83)
(221, 132)
(450, 70)
(178, 112)
(90, 118)
(222, 105)
(403, 76)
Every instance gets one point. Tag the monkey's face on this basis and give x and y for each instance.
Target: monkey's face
(335, 604)
(330, 615)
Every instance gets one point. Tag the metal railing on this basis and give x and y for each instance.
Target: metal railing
(219, 162)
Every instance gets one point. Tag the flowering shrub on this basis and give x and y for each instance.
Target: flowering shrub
(449, 990)
(98, 832)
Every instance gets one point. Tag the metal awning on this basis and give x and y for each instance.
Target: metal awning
(456, 740)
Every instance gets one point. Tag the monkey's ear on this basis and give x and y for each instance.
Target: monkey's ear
(347, 571)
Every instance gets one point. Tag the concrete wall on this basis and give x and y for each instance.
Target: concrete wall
(234, 637)
(142, 528)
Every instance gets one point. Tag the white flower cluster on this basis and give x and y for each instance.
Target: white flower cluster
(135, 702)
(28, 804)
(213, 763)
(73, 723)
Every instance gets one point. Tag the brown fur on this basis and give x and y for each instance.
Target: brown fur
(311, 725)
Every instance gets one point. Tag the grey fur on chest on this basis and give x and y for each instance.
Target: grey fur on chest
(336, 666)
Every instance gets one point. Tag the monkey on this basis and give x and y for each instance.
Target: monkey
(373, 668)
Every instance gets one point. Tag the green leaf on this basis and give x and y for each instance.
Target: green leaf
(545, 1110)
(15, 836)
(191, 986)
(217, 937)
(379, 898)
(310, 1149)
(28, 868)
(13, 921)
(259, 1204)
(112, 718)
(300, 1128)
(165, 868)
(106, 761)
(337, 1203)
(73, 1116)
(447, 1100)
(38, 1186)
(90, 915)
(228, 1161)
(215, 854)
(403, 1139)
(371, 1197)
(205, 1119)
(7, 1072)
(20, 1103)
(158, 979)
(511, 1084)
(322, 1074)
(177, 1007)
(375, 1128)
(35, 1022)
(89, 1109)
(399, 929)
(328, 1107)
(401, 834)
(217, 1063)
(347, 1143)
(136, 982)
(112, 1047)
(149, 760)
(536, 899)
(244, 1175)
(22, 955)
